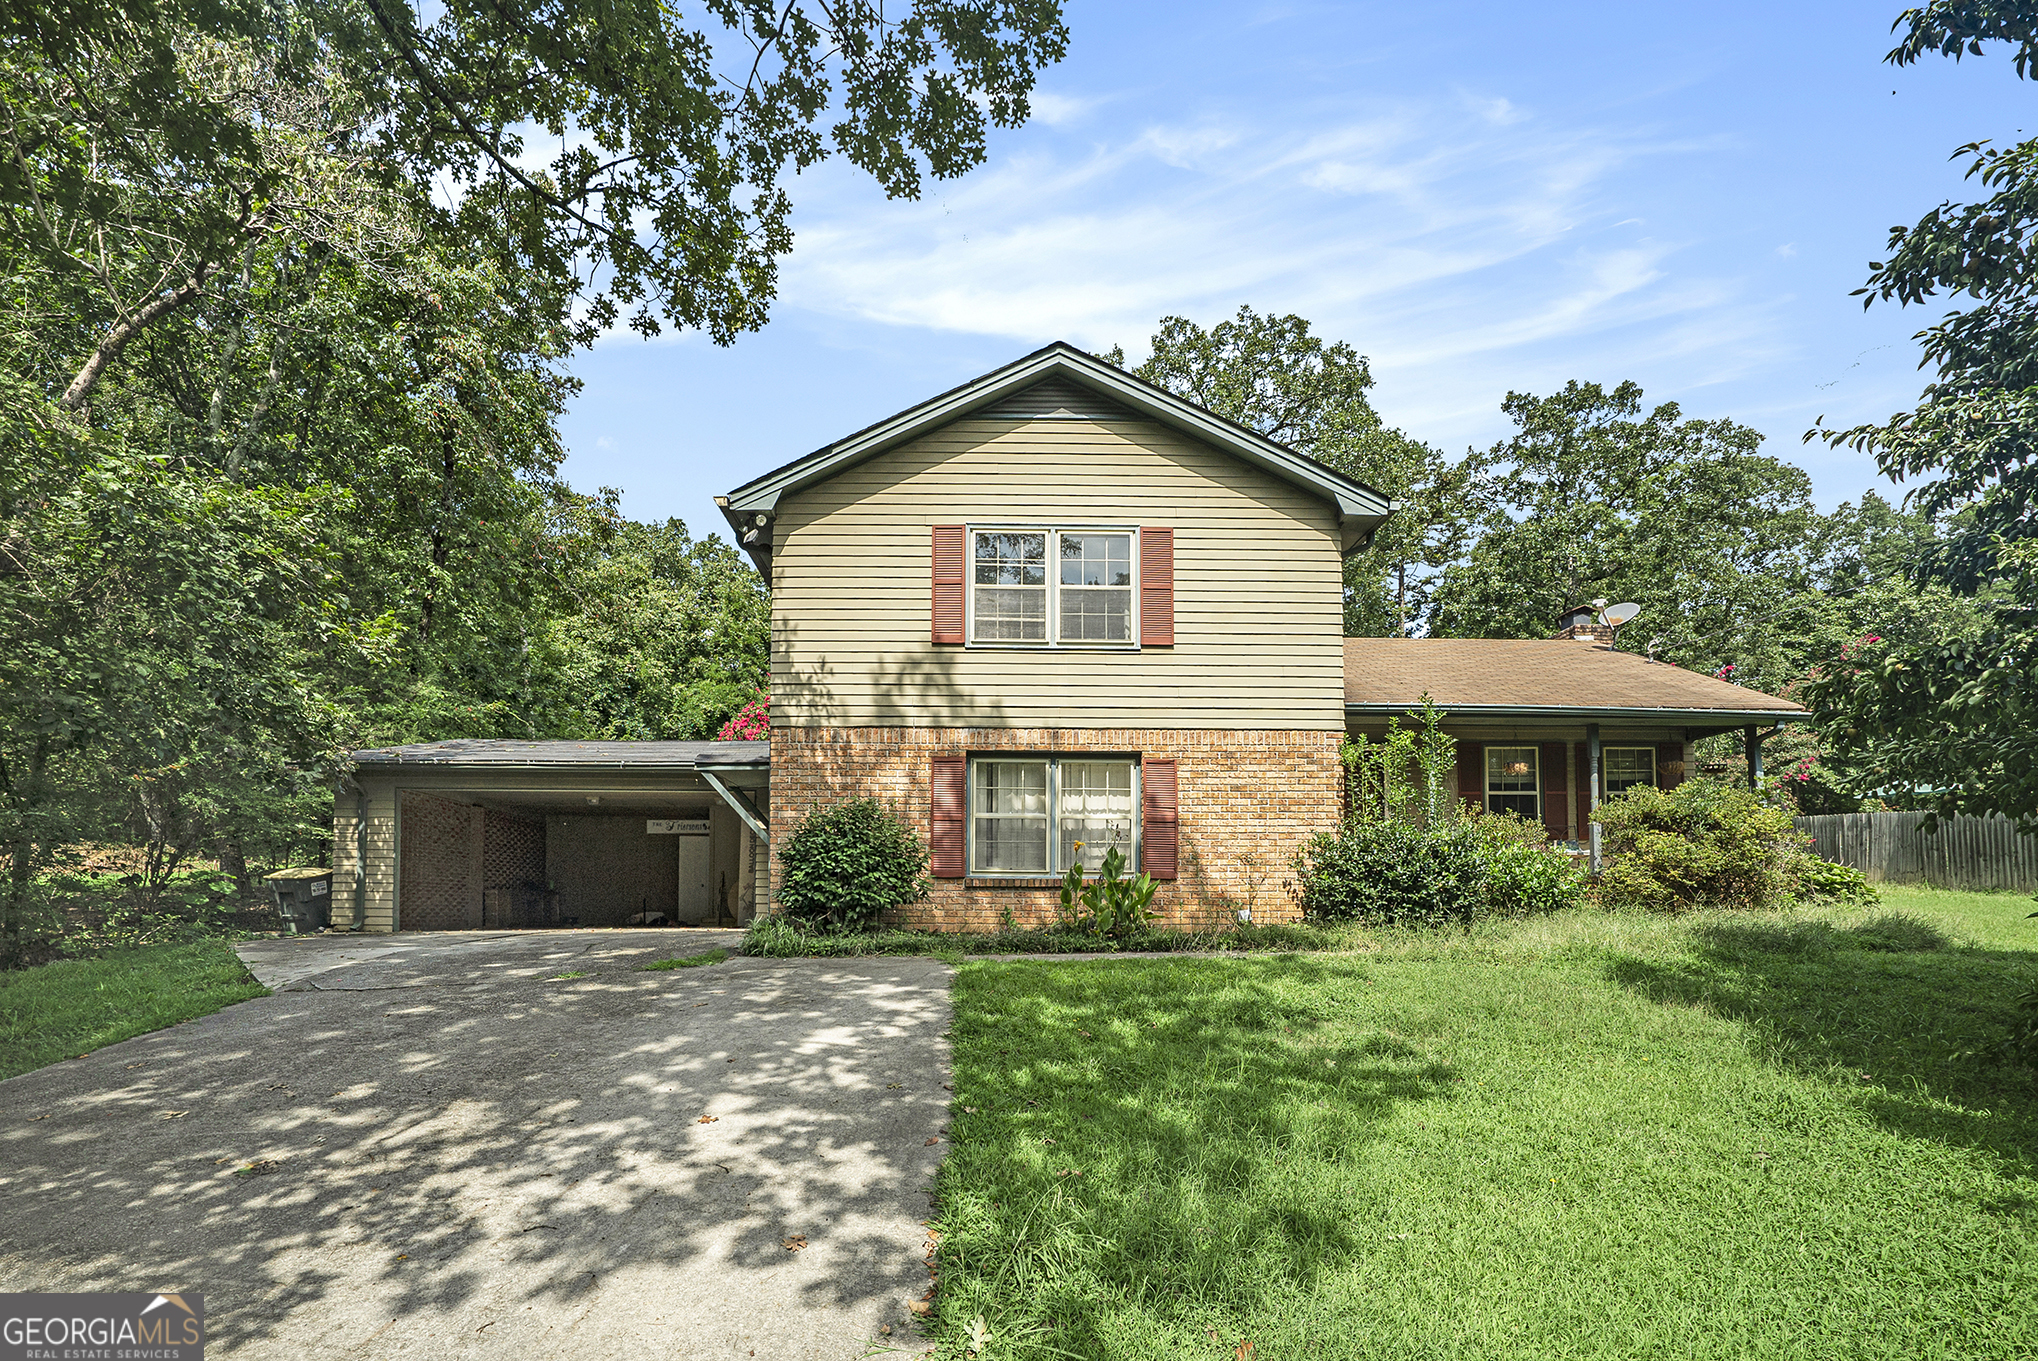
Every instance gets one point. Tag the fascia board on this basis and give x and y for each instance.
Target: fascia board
(1672, 717)
(1351, 499)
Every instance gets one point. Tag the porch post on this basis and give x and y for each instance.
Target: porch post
(1754, 757)
(1592, 766)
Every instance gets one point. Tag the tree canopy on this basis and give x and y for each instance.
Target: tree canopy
(293, 288)
(1951, 712)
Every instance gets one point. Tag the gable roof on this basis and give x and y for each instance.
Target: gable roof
(1564, 679)
(1065, 384)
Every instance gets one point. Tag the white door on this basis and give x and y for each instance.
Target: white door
(696, 902)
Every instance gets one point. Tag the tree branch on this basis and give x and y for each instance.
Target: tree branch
(446, 101)
(116, 340)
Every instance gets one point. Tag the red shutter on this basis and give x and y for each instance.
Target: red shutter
(948, 568)
(1472, 774)
(945, 821)
(1160, 829)
(1156, 587)
(1556, 824)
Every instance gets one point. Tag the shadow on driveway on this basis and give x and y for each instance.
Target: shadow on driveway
(455, 1152)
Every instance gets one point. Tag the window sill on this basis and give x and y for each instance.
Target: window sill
(1000, 881)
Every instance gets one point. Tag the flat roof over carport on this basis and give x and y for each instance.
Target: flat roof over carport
(646, 779)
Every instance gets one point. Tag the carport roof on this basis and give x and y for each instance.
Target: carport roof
(498, 753)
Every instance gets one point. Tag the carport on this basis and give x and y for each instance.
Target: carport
(484, 834)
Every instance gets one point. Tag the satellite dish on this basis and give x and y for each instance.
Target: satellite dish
(1613, 616)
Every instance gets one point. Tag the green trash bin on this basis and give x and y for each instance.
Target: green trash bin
(304, 898)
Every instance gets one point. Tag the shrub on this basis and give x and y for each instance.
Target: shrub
(851, 863)
(1393, 872)
(1109, 905)
(1702, 844)
(1823, 881)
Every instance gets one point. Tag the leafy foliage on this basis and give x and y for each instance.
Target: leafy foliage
(1952, 716)
(1111, 904)
(1409, 775)
(1595, 498)
(849, 864)
(1399, 873)
(1709, 844)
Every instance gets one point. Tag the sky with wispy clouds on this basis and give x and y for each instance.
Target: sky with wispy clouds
(1481, 197)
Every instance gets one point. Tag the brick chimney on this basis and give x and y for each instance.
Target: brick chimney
(1582, 622)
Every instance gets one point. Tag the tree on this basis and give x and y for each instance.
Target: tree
(149, 142)
(1274, 376)
(1952, 716)
(1592, 498)
(661, 637)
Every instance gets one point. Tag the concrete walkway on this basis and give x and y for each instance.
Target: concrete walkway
(458, 1154)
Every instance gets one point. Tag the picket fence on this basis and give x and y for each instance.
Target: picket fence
(1965, 852)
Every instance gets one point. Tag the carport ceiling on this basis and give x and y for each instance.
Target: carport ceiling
(633, 803)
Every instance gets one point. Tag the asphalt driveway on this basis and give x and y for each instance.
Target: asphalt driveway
(457, 1153)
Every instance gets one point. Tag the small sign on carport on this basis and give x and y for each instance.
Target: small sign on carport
(676, 826)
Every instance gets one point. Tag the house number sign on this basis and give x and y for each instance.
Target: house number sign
(676, 826)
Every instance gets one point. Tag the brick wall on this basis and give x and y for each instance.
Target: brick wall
(1248, 801)
(439, 890)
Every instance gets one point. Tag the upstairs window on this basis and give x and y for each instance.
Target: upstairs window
(1622, 768)
(1053, 587)
(1511, 783)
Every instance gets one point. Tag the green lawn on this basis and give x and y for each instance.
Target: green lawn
(59, 1011)
(1587, 1136)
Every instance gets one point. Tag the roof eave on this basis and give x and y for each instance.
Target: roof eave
(1360, 509)
(1693, 718)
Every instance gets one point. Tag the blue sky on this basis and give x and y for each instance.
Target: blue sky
(1479, 196)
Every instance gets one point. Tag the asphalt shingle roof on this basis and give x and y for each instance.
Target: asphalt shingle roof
(1538, 674)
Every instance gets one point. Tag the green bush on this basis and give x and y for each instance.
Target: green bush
(1433, 875)
(1703, 844)
(850, 864)
(1110, 904)
(1820, 881)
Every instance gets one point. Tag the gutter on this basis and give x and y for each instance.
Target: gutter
(1730, 718)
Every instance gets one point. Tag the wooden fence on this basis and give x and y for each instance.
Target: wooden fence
(1893, 847)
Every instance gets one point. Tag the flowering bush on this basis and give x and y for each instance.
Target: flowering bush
(752, 723)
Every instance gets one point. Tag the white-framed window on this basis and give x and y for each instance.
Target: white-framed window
(1622, 768)
(1044, 586)
(1032, 816)
(1512, 785)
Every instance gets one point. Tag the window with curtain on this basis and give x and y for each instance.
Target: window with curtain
(1511, 783)
(1034, 816)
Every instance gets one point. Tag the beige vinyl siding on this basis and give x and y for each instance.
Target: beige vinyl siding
(1258, 586)
(379, 882)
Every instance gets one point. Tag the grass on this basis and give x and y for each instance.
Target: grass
(689, 962)
(1591, 1135)
(62, 1010)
